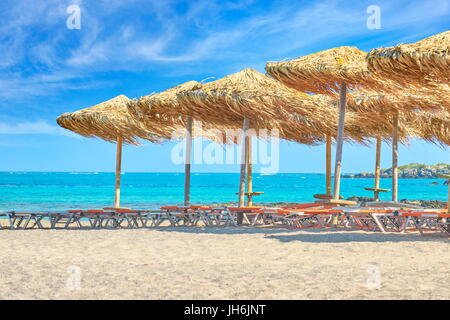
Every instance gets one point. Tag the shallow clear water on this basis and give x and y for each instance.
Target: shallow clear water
(59, 191)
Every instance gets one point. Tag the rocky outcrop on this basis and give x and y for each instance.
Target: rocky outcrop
(410, 171)
(431, 204)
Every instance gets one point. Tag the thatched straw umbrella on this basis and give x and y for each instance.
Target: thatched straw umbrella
(111, 122)
(359, 128)
(424, 63)
(431, 125)
(268, 103)
(327, 72)
(144, 111)
(159, 108)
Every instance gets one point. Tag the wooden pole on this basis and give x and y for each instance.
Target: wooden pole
(395, 160)
(340, 141)
(118, 171)
(187, 163)
(249, 172)
(328, 165)
(243, 171)
(377, 169)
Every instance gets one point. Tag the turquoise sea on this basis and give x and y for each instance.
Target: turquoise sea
(49, 191)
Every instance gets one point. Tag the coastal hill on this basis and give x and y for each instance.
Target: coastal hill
(409, 171)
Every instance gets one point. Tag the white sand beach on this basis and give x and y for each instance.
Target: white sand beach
(222, 263)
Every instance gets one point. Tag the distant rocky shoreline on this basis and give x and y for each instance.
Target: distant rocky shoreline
(410, 171)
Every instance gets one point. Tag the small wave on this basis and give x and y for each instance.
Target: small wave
(83, 172)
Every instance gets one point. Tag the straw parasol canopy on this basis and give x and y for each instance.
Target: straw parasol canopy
(364, 121)
(159, 106)
(400, 101)
(162, 108)
(266, 102)
(431, 124)
(324, 71)
(424, 63)
(330, 71)
(109, 120)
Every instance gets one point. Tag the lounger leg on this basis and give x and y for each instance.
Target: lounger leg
(377, 221)
(78, 222)
(19, 222)
(69, 219)
(11, 222)
(27, 221)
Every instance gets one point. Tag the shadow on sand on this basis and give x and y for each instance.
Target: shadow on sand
(313, 235)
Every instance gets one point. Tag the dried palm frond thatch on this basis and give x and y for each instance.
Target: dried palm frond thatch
(433, 127)
(159, 106)
(365, 122)
(400, 101)
(377, 112)
(324, 71)
(109, 120)
(424, 63)
(267, 103)
(163, 108)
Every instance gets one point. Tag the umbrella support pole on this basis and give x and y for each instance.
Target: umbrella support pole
(328, 165)
(240, 216)
(118, 171)
(395, 160)
(340, 141)
(187, 163)
(249, 171)
(377, 170)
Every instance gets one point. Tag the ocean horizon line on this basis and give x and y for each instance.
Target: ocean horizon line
(181, 172)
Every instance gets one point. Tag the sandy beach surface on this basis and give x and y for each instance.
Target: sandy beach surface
(222, 263)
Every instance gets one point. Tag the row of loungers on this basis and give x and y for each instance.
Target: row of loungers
(300, 216)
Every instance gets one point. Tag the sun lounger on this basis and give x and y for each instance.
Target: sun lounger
(184, 215)
(306, 206)
(102, 219)
(65, 219)
(217, 216)
(3, 218)
(392, 204)
(178, 215)
(25, 220)
(249, 213)
(373, 218)
(428, 220)
(304, 218)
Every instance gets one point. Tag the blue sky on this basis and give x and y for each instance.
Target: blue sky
(137, 47)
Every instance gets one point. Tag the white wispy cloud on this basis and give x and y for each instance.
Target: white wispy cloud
(139, 35)
(36, 127)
